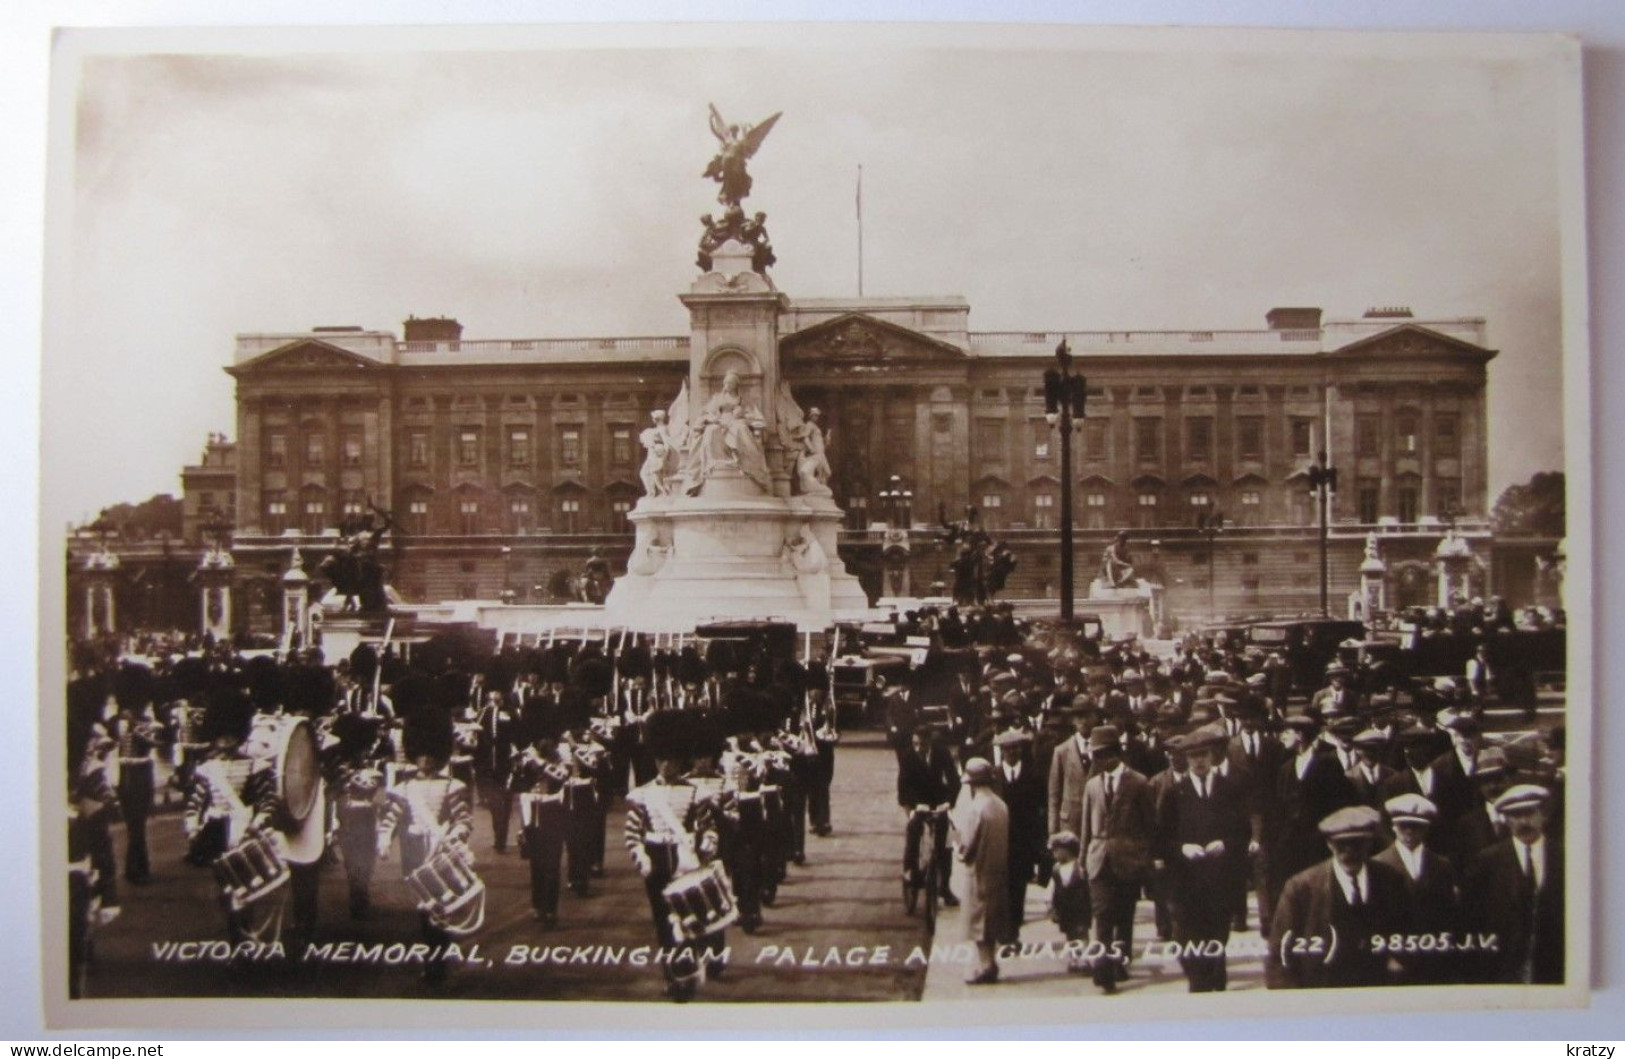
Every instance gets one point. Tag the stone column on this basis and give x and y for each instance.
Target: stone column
(214, 592)
(1373, 580)
(102, 570)
(296, 600)
(1453, 561)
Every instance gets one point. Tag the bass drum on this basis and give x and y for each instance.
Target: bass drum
(289, 744)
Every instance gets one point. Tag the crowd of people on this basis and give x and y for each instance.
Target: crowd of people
(724, 757)
(1385, 838)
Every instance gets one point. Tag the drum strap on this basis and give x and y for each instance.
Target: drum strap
(220, 784)
(687, 858)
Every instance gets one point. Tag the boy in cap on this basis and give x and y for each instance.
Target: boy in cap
(1069, 893)
(1322, 933)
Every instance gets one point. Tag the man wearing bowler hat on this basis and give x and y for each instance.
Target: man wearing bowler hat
(1119, 828)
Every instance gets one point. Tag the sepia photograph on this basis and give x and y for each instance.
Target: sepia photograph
(760, 518)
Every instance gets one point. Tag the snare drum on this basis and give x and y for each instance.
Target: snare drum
(251, 870)
(449, 891)
(701, 902)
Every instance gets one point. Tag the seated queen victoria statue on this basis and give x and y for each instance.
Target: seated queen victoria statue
(727, 435)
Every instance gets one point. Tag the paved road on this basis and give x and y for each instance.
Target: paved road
(846, 899)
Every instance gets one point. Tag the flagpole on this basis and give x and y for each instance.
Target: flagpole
(860, 231)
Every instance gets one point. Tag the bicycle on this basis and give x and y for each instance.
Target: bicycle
(924, 873)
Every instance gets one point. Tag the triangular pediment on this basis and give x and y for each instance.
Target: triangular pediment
(1408, 341)
(306, 354)
(857, 338)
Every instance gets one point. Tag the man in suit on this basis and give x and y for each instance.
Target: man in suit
(1119, 823)
(1453, 770)
(1162, 785)
(1514, 890)
(1481, 825)
(1310, 786)
(1207, 832)
(1068, 772)
(1430, 883)
(1015, 781)
(1323, 929)
(926, 777)
(1338, 697)
(1368, 771)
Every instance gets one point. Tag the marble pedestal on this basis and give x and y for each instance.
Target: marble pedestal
(732, 553)
(1124, 611)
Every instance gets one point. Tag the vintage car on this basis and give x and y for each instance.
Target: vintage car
(1309, 645)
(866, 659)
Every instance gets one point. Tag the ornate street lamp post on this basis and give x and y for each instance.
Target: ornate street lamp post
(1322, 484)
(898, 504)
(1064, 397)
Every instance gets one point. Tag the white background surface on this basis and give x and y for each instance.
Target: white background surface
(24, 48)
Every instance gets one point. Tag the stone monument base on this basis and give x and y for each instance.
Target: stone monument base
(1131, 610)
(732, 553)
(341, 632)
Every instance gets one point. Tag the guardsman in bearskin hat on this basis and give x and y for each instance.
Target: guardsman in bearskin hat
(359, 781)
(231, 798)
(706, 742)
(670, 827)
(539, 776)
(587, 799)
(92, 865)
(130, 721)
(426, 811)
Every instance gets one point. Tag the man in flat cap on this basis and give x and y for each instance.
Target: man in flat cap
(1514, 890)
(983, 825)
(1119, 828)
(1368, 771)
(1207, 833)
(1337, 697)
(1481, 825)
(1332, 921)
(1433, 905)
(1069, 772)
(1016, 783)
(1310, 786)
(1453, 770)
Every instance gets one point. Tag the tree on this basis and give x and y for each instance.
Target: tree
(1533, 509)
(145, 520)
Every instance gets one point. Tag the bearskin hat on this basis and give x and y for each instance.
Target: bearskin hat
(706, 736)
(429, 734)
(667, 734)
(133, 686)
(355, 734)
(228, 714)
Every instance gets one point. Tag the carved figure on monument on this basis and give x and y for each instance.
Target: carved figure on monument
(1117, 565)
(804, 439)
(804, 553)
(737, 144)
(595, 580)
(751, 233)
(661, 462)
(355, 570)
(728, 436)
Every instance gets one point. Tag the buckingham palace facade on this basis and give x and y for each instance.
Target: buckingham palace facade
(506, 462)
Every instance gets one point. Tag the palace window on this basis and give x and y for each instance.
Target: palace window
(276, 450)
(570, 448)
(1044, 511)
(276, 514)
(519, 447)
(468, 447)
(417, 449)
(569, 515)
(1446, 437)
(351, 506)
(1250, 437)
(1094, 510)
(857, 512)
(417, 517)
(990, 440)
(519, 515)
(618, 510)
(1148, 439)
(1368, 435)
(1303, 436)
(620, 446)
(1041, 440)
(468, 512)
(351, 450)
(315, 450)
(1368, 494)
(1146, 510)
(1199, 439)
(1405, 432)
(315, 517)
(1409, 504)
(1201, 499)
(1094, 439)
(1447, 497)
(1251, 498)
